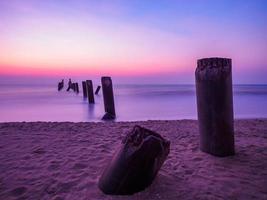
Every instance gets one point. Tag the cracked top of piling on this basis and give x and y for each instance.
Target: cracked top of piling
(213, 68)
(105, 77)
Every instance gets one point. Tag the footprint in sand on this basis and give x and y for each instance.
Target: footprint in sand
(58, 198)
(197, 159)
(189, 172)
(53, 166)
(66, 187)
(80, 166)
(18, 191)
(39, 151)
(56, 187)
(194, 149)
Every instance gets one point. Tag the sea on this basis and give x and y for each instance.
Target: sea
(20, 102)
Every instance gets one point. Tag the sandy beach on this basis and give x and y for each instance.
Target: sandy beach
(51, 160)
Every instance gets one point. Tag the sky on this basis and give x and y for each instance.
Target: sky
(135, 41)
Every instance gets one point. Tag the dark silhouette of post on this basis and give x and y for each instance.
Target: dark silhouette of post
(60, 85)
(107, 90)
(77, 87)
(97, 89)
(84, 89)
(90, 91)
(215, 106)
(70, 85)
(73, 86)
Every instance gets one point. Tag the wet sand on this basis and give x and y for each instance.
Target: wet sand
(51, 160)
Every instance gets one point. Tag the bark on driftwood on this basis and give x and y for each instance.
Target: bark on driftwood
(136, 163)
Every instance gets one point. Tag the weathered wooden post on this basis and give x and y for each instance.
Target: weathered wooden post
(107, 90)
(215, 106)
(73, 86)
(60, 85)
(77, 87)
(97, 89)
(84, 89)
(90, 91)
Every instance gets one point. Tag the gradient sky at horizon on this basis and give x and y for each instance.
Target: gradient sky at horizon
(144, 40)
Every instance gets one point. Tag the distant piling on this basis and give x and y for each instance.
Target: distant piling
(77, 87)
(84, 89)
(107, 89)
(90, 91)
(60, 85)
(215, 106)
(97, 89)
(73, 86)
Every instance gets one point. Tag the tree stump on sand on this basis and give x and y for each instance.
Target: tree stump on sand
(215, 106)
(136, 163)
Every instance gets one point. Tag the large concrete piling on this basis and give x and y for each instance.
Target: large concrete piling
(84, 89)
(215, 106)
(90, 91)
(97, 89)
(107, 90)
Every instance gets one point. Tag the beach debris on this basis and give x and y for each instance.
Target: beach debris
(39, 151)
(215, 106)
(90, 91)
(60, 85)
(107, 89)
(97, 89)
(84, 89)
(136, 163)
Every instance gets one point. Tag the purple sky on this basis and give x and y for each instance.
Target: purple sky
(133, 41)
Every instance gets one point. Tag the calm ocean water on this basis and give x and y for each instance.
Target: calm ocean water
(133, 102)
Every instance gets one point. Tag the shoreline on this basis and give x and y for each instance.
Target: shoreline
(129, 121)
(63, 160)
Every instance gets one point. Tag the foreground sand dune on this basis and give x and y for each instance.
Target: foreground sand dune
(45, 160)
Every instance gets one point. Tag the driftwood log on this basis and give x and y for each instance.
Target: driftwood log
(136, 163)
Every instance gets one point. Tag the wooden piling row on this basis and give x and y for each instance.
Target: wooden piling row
(213, 78)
